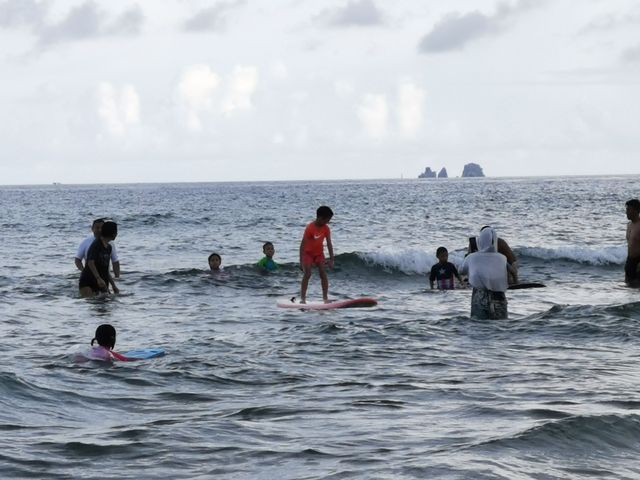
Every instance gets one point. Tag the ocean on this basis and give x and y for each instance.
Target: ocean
(410, 389)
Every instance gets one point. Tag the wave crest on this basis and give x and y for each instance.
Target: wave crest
(597, 256)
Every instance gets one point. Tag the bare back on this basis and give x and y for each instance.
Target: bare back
(633, 239)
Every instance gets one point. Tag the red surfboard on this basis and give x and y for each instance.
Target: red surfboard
(352, 303)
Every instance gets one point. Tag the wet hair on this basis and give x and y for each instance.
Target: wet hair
(214, 255)
(324, 212)
(97, 221)
(267, 244)
(634, 203)
(473, 245)
(105, 336)
(440, 251)
(109, 229)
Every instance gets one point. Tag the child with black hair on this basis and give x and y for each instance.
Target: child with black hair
(215, 260)
(312, 252)
(267, 264)
(96, 228)
(105, 337)
(444, 272)
(95, 277)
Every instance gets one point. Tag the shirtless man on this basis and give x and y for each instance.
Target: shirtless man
(631, 272)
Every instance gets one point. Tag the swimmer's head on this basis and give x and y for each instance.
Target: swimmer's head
(442, 254)
(105, 336)
(96, 226)
(215, 261)
(109, 230)
(488, 240)
(268, 249)
(323, 215)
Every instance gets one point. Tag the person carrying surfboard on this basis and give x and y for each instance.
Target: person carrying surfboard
(312, 252)
(487, 270)
(504, 249)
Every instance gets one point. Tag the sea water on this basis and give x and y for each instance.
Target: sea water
(411, 389)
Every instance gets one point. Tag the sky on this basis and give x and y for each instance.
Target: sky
(125, 91)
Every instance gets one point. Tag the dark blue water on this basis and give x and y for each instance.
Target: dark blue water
(410, 389)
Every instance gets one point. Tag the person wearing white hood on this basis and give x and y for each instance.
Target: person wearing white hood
(488, 275)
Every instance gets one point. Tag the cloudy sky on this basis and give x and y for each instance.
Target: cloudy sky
(213, 90)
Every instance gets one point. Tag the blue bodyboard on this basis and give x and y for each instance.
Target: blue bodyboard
(144, 353)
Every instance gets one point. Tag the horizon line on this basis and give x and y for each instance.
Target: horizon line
(486, 177)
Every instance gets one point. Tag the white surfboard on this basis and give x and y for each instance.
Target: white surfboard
(350, 303)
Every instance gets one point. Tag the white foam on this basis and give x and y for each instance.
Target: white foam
(408, 261)
(416, 261)
(615, 255)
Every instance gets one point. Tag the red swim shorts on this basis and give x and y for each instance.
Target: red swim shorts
(309, 260)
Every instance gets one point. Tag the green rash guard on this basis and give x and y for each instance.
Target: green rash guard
(268, 264)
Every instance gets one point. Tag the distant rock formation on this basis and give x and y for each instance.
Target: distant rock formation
(472, 170)
(443, 173)
(428, 173)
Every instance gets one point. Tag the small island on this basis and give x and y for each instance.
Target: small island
(471, 170)
(428, 173)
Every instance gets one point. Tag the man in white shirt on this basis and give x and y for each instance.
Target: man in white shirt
(488, 275)
(96, 228)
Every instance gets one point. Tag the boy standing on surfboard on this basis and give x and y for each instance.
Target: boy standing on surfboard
(312, 252)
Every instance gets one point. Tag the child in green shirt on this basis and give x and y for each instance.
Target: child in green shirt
(267, 263)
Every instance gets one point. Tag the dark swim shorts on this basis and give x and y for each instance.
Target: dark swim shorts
(631, 273)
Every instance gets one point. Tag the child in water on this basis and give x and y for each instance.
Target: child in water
(444, 272)
(215, 261)
(312, 252)
(105, 337)
(267, 264)
(95, 277)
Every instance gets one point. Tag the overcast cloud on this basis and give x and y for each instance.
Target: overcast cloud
(612, 22)
(315, 90)
(212, 19)
(457, 29)
(355, 13)
(88, 20)
(632, 54)
(18, 13)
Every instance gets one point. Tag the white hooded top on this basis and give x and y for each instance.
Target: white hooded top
(487, 268)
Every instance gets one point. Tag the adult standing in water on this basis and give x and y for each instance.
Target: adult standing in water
(96, 227)
(631, 272)
(504, 249)
(95, 277)
(488, 275)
